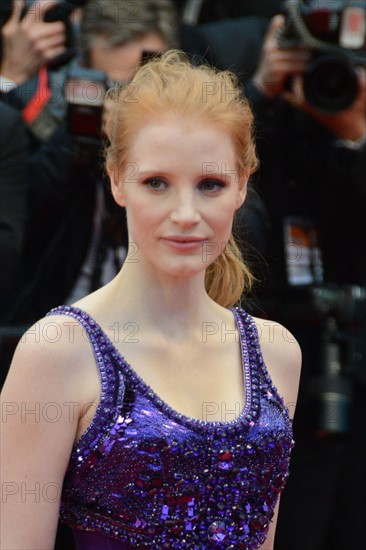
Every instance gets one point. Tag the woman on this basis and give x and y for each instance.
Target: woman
(157, 388)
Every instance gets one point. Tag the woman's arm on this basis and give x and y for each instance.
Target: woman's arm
(282, 356)
(42, 401)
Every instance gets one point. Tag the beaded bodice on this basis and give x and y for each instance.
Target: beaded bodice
(149, 477)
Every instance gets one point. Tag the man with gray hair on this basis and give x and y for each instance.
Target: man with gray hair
(115, 33)
(112, 38)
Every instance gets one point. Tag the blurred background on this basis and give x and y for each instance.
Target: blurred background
(302, 229)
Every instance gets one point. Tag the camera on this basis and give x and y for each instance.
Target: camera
(336, 33)
(59, 12)
(85, 91)
(330, 392)
(338, 309)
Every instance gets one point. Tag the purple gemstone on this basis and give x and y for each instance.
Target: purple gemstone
(225, 456)
(217, 531)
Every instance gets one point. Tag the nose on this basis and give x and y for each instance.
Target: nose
(184, 211)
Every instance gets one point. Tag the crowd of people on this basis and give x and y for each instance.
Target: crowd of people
(301, 230)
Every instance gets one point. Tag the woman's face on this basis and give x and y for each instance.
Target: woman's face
(180, 188)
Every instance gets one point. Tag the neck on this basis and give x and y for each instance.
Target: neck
(176, 306)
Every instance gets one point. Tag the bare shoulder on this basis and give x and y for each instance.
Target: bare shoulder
(278, 343)
(53, 357)
(44, 395)
(282, 357)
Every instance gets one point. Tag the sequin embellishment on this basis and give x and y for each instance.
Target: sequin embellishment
(143, 473)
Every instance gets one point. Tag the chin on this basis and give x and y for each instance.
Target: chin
(184, 268)
(193, 267)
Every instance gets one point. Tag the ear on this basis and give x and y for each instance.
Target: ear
(242, 191)
(117, 187)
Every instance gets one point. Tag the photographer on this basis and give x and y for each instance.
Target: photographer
(29, 42)
(28, 46)
(313, 182)
(73, 228)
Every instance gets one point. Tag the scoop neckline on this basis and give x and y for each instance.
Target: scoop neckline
(249, 409)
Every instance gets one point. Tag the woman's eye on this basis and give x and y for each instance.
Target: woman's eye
(211, 185)
(155, 183)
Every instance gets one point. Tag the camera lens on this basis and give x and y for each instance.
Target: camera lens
(330, 403)
(330, 84)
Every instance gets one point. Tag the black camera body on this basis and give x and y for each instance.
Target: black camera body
(62, 11)
(336, 33)
(85, 91)
(338, 310)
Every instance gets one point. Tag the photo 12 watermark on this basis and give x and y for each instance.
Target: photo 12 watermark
(27, 491)
(69, 331)
(50, 412)
(211, 410)
(214, 89)
(210, 329)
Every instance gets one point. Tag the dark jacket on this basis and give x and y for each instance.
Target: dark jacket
(14, 186)
(59, 229)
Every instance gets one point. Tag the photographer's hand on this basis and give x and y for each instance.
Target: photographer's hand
(349, 124)
(277, 64)
(29, 43)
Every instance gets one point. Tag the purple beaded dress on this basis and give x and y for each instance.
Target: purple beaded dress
(144, 476)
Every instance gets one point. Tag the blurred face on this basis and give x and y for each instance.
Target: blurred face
(120, 62)
(180, 189)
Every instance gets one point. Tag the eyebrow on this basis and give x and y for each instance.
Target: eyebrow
(221, 176)
(155, 171)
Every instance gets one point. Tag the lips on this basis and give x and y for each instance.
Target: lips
(188, 239)
(184, 243)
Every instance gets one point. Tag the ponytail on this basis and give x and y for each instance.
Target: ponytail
(228, 276)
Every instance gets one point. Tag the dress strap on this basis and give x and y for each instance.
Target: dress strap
(266, 384)
(112, 382)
